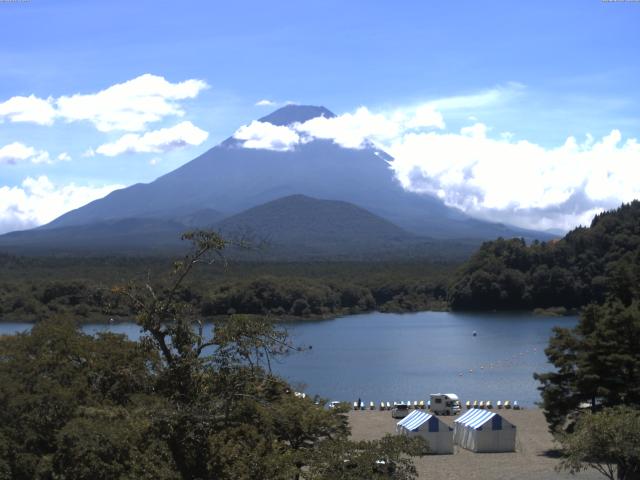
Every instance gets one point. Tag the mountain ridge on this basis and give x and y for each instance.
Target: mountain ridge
(229, 179)
(292, 228)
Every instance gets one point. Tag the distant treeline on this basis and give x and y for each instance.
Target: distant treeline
(587, 265)
(32, 289)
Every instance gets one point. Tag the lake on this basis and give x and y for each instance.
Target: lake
(400, 357)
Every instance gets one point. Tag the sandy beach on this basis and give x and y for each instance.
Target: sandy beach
(533, 459)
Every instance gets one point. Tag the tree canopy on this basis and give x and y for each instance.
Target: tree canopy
(585, 266)
(180, 404)
(608, 441)
(597, 363)
(591, 399)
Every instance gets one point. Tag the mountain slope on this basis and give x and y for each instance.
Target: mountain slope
(312, 227)
(296, 227)
(229, 179)
(126, 236)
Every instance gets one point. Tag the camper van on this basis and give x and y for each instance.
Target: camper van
(444, 403)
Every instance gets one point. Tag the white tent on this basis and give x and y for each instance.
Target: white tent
(484, 431)
(431, 428)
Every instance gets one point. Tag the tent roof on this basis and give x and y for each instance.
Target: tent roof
(414, 420)
(475, 418)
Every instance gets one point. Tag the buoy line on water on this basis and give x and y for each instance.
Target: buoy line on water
(508, 362)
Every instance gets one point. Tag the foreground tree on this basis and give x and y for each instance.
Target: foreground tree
(186, 402)
(597, 363)
(608, 441)
(373, 460)
(54, 375)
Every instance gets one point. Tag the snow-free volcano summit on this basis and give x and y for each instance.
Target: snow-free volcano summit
(305, 187)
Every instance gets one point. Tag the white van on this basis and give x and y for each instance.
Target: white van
(444, 404)
(400, 410)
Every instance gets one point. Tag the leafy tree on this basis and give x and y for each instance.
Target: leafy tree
(597, 362)
(374, 460)
(587, 265)
(186, 402)
(607, 441)
(48, 375)
(102, 444)
(224, 398)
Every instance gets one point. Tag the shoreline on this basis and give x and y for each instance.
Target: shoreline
(100, 319)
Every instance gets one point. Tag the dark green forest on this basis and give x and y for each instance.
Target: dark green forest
(584, 267)
(591, 398)
(506, 274)
(34, 288)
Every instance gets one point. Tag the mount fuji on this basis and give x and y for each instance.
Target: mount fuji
(318, 187)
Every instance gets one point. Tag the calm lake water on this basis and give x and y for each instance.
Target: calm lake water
(400, 357)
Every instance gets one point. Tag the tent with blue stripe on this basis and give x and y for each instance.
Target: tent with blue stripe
(437, 433)
(484, 431)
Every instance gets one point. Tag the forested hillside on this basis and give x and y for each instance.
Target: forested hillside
(586, 266)
(34, 288)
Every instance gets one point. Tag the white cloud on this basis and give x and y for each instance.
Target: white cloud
(37, 201)
(356, 130)
(64, 157)
(264, 135)
(154, 161)
(157, 141)
(490, 175)
(350, 130)
(28, 109)
(520, 182)
(17, 152)
(422, 116)
(265, 103)
(486, 98)
(360, 128)
(128, 106)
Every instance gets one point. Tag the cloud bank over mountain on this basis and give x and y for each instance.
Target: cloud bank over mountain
(486, 172)
(490, 175)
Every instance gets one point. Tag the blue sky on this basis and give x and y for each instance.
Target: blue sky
(556, 69)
